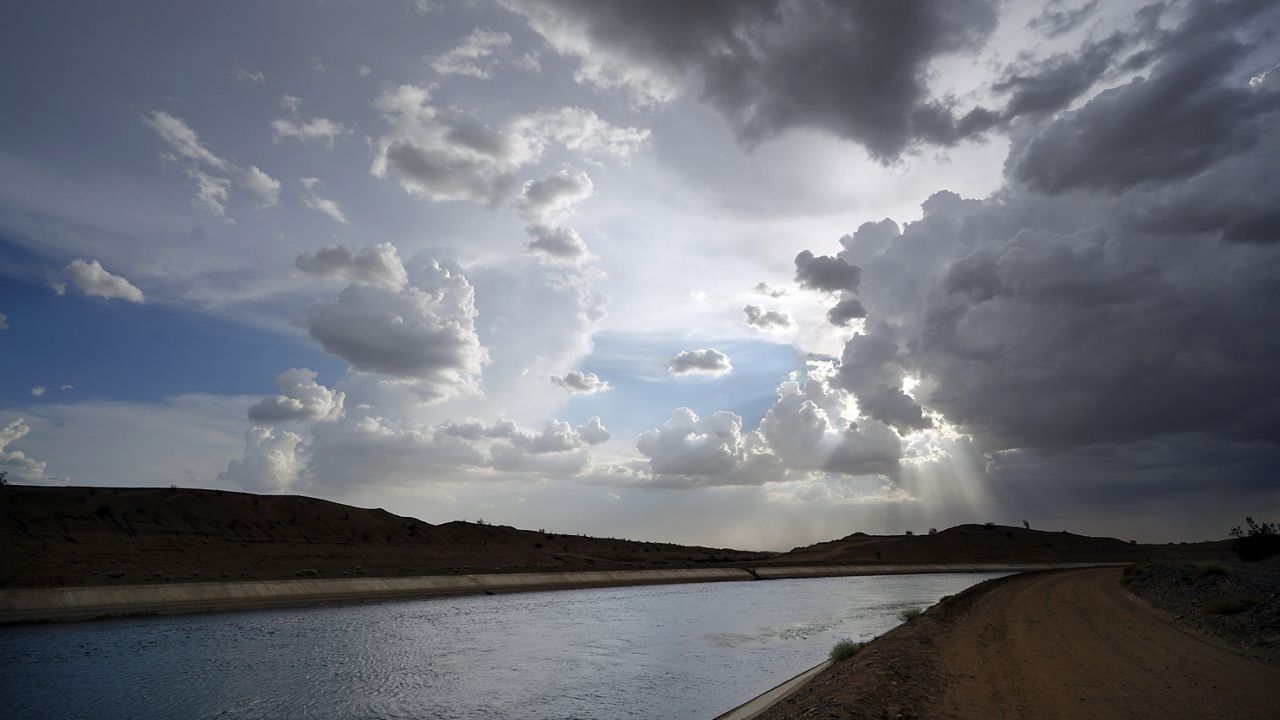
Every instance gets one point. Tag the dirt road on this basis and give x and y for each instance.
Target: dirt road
(1068, 644)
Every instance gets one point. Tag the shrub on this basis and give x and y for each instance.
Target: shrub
(1257, 541)
(989, 525)
(1231, 603)
(1133, 572)
(910, 614)
(933, 531)
(1205, 569)
(844, 650)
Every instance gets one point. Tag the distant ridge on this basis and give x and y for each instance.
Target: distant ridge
(964, 544)
(59, 536)
(76, 536)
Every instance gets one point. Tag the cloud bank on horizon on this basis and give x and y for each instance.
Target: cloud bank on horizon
(744, 273)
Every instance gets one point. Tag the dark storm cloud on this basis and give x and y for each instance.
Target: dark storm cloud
(826, 273)
(1188, 115)
(758, 317)
(1103, 325)
(1049, 85)
(857, 69)
(1055, 20)
(1048, 322)
(846, 310)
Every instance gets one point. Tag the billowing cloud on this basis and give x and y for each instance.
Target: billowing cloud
(826, 273)
(423, 334)
(811, 428)
(445, 155)
(758, 317)
(857, 69)
(552, 198)
(809, 433)
(261, 185)
(300, 398)
(845, 311)
(377, 265)
(580, 383)
(704, 361)
(593, 432)
(4, 321)
(559, 243)
(92, 279)
(14, 462)
(272, 462)
(1107, 309)
(39, 390)
(690, 451)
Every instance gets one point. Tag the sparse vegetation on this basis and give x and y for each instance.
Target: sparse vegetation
(910, 614)
(1232, 603)
(989, 525)
(933, 531)
(4, 478)
(1256, 541)
(1205, 569)
(1133, 572)
(844, 650)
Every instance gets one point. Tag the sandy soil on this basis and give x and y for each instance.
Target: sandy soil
(1066, 644)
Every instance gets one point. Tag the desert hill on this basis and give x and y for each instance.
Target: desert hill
(55, 536)
(52, 536)
(964, 544)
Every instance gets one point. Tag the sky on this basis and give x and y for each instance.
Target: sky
(753, 274)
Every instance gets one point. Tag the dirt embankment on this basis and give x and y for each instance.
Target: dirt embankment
(1238, 602)
(1065, 644)
(53, 537)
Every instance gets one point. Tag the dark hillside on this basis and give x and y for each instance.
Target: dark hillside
(97, 536)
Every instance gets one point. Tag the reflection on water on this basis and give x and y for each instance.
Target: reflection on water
(671, 651)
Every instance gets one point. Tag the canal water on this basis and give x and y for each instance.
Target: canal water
(669, 651)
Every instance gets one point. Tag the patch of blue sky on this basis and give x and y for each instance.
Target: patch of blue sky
(644, 392)
(111, 349)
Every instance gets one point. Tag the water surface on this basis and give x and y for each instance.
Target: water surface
(668, 651)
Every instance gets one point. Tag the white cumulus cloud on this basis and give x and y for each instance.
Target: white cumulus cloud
(92, 279)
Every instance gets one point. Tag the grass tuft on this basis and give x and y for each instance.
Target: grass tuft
(1231, 603)
(844, 650)
(910, 614)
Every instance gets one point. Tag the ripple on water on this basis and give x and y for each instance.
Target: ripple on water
(671, 651)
